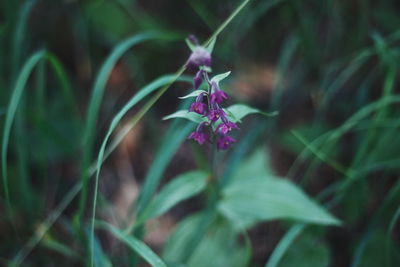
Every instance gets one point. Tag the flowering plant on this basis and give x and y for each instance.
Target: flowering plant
(214, 122)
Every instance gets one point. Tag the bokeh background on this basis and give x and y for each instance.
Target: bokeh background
(329, 67)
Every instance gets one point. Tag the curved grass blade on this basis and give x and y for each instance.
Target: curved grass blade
(65, 84)
(16, 97)
(225, 23)
(284, 244)
(100, 158)
(94, 106)
(392, 224)
(176, 135)
(135, 244)
(11, 110)
(19, 35)
(335, 134)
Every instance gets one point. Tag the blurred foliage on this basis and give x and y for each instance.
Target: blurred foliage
(67, 72)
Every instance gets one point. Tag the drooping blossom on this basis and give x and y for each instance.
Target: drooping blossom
(217, 95)
(198, 79)
(224, 142)
(216, 114)
(207, 102)
(199, 57)
(225, 127)
(200, 135)
(199, 106)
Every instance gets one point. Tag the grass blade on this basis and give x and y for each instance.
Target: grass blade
(94, 107)
(11, 111)
(100, 158)
(284, 244)
(16, 98)
(135, 244)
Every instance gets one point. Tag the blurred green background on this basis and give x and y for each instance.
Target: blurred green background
(329, 67)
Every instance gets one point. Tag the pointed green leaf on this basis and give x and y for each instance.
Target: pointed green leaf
(184, 114)
(210, 46)
(238, 111)
(193, 94)
(205, 68)
(182, 187)
(304, 253)
(217, 247)
(255, 199)
(100, 258)
(254, 196)
(135, 244)
(190, 44)
(220, 77)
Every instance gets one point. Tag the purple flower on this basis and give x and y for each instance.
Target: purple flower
(225, 142)
(200, 135)
(207, 102)
(215, 114)
(199, 108)
(199, 57)
(198, 79)
(226, 127)
(217, 95)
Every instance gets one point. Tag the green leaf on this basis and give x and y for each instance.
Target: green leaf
(182, 187)
(56, 246)
(184, 114)
(306, 251)
(192, 94)
(210, 46)
(284, 244)
(238, 111)
(218, 247)
(254, 199)
(10, 115)
(177, 243)
(259, 196)
(255, 165)
(16, 96)
(135, 244)
(190, 44)
(100, 258)
(176, 134)
(220, 77)
(377, 249)
(205, 68)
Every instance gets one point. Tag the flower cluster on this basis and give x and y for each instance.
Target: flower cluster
(216, 125)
